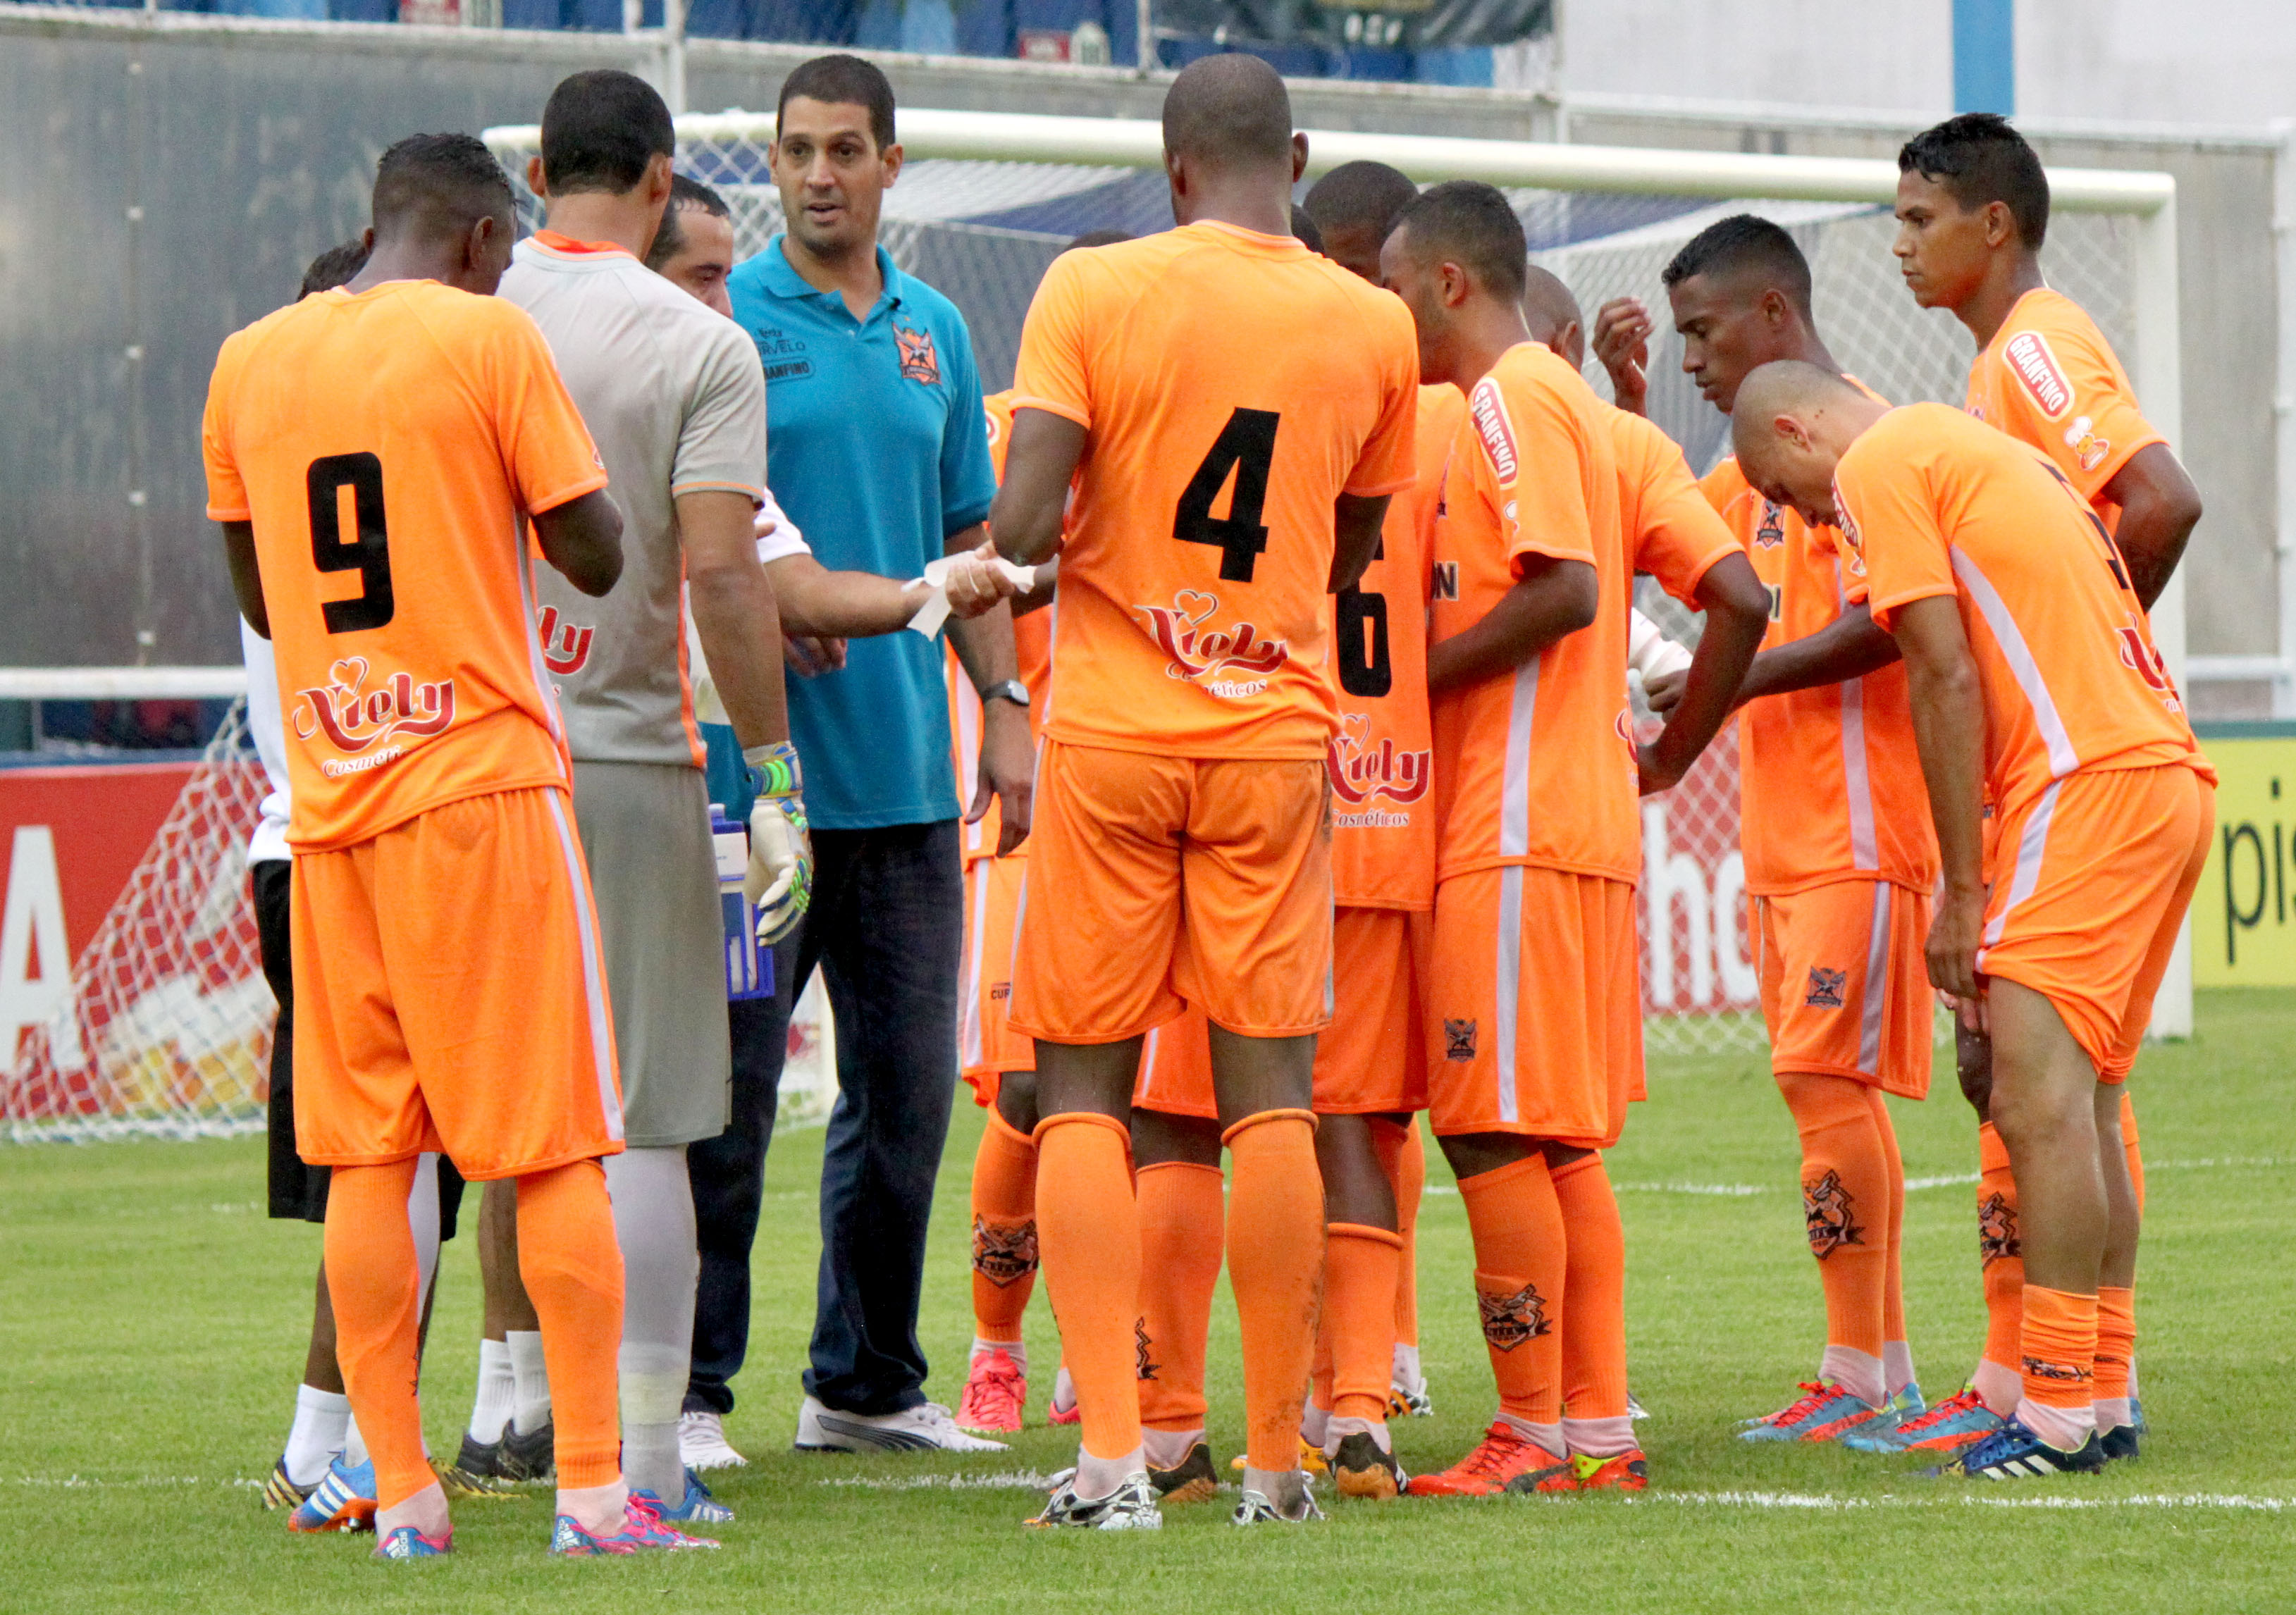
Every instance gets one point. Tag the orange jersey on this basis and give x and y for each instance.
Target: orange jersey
(1538, 767)
(1232, 385)
(2050, 379)
(1381, 760)
(384, 445)
(1829, 780)
(1934, 502)
(1032, 643)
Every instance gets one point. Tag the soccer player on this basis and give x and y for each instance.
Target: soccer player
(1181, 853)
(2033, 678)
(1355, 206)
(1973, 213)
(374, 454)
(1535, 983)
(693, 250)
(1834, 828)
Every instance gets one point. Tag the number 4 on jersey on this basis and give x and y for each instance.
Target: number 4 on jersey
(1247, 444)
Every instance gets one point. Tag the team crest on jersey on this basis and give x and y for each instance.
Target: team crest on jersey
(1826, 987)
(2088, 447)
(1997, 1230)
(364, 723)
(919, 362)
(1772, 530)
(565, 646)
(1360, 773)
(1458, 1040)
(1510, 1320)
(1211, 658)
(2034, 363)
(1003, 1253)
(2138, 654)
(1488, 410)
(1827, 1208)
(1447, 580)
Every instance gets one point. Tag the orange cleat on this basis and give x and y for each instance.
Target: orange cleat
(1502, 1456)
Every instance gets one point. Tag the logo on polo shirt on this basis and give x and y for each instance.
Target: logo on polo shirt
(919, 362)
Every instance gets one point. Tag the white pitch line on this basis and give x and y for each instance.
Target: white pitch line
(1821, 1503)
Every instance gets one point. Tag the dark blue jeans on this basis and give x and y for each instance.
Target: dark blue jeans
(885, 928)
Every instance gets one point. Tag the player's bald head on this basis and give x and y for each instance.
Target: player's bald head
(1467, 223)
(1791, 423)
(1744, 256)
(1228, 111)
(1549, 309)
(431, 188)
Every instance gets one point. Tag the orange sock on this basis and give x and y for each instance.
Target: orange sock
(572, 1268)
(1521, 1258)
(1593, 1292)
(1410, 1176)
(2116, 1341)
(2128, 1143)
(2004, 1259)
(1004, 1230)
(1276, 1267)
(2059, 1345)
(1897, 1355)
(1088, 1228)
(371, 1282)
(1360, 1265)
(1845, 1196)
(1182, 1217)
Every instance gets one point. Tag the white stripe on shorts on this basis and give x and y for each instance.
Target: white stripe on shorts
(2032, 847)
(1877, 983)
(968, 1026)
(594, 975)
(1509, 996)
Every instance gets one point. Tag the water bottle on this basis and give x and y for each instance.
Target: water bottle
(749, 968)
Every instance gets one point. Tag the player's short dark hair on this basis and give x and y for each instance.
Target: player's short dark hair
(842, 80)
(333, 268)
(1231, 110)
(431, 185)
(685, 193)
(1369, 193)
(600, 130)
(1471, 224)
(1303, 225)
(1744, 243)
(1980, 159)
(1097, 237)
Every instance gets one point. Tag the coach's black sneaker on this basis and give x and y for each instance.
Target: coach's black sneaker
(520, 1459)
(1193, 1480)
(1130, 1507)
(2119, 1442)
(1361, 1467)
(476, 1471)
(2013, 1452)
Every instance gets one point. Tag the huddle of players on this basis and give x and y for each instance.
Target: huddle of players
(1483, 846)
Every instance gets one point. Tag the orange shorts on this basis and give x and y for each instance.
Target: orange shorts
(1846, 984)
(2090, 883)
(1155, 882)
(987, 1047)
(1534, 1006)
(450, 994)
(1370, 1061)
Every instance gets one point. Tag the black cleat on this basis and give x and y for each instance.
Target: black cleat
(1361, 1468)
(476, 1471)
(2120, 1442)
(521, 1458)
(1193, 1480)
(2013, 1452)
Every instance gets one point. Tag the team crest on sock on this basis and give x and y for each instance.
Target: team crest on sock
(1510, 1320)
(1826, 987)
(1997, 1230)
(1829, 1211)
(2063, 1373)
(1458, 1040)
(1146, 1369)
(1003, 1253)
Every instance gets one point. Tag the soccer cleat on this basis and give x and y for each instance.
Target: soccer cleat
(642, 1531)
(2136, 1417)
(1951, 1425)
(407, 1543)
(1362, 1468)
(1635, 1409)
(279, 1491)
(701, 1441)
(475, 1472)
(1501, 1454)
(996, 1393)
(1130, 1507)
(528, 1457)
(1824, 1413)
(1558, 1477)
(1311, 1459)
(2119, 1442)
(697, 1507)
(1628, 1472)
(1192, 1480)
(1259, 1509)
(1410, 1401)
(2013, 1452)
(924, 1428)
(342, 1501)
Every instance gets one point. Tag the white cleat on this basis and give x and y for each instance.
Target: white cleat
(702, 1442)
(1130, 1507)
(1259, 1509)
(928, 1427)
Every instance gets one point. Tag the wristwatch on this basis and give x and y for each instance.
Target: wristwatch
(1011, 689)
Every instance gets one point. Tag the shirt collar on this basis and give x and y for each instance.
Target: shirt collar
(781, 279)
(551, 241)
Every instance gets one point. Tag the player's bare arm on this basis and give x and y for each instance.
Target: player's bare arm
(2159, 509)
(1356, 523)
(1008, 755)
(246, 578)
(1026, 518)
(1949, 730)
(583, 539)
(732, 598)
(1622, 334)
(1551, 600)
(1850, 646)
(1737, 608)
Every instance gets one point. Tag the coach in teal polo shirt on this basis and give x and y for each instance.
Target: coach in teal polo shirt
(878, 449)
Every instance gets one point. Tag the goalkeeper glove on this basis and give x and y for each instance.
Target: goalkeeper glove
(780, 881)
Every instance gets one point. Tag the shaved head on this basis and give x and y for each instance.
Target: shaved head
(1228, 111)
(1356, 205)
(1791, 422)
(1549, 309)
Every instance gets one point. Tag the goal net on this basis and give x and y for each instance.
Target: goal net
(986, 200)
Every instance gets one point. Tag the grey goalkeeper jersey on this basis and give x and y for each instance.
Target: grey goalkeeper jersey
(675, 396)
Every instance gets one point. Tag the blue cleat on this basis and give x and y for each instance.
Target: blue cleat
(407, 1543)
(1824, 1413)
(2013, 1452)
(1951, 1425)
(697, 1506)
(344, 1501)
(642, 1531)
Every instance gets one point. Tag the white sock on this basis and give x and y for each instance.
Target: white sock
(1858, 1373)
(1099, 1477)
(1897, 1366)
(1339, 1427)
(1018, 1350)
(2133, 1392)
(530, 1380)
(654, 1222)
(1063, 1389)
(2066, 1428)
(2112, 1412)
(354, 1446)
(422, 1222)
(596, 1509)
(497, 1393)
(321, 1419)
(425, 1511)
(1405, 1374)
(1169, 1449)
(1315, 1423)
(1999, 1389)
(1547, 1436)
(1600, 1437)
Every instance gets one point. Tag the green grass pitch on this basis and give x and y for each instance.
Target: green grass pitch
(152, 1328)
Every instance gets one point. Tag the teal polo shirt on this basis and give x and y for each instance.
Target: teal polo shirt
(876, 446)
